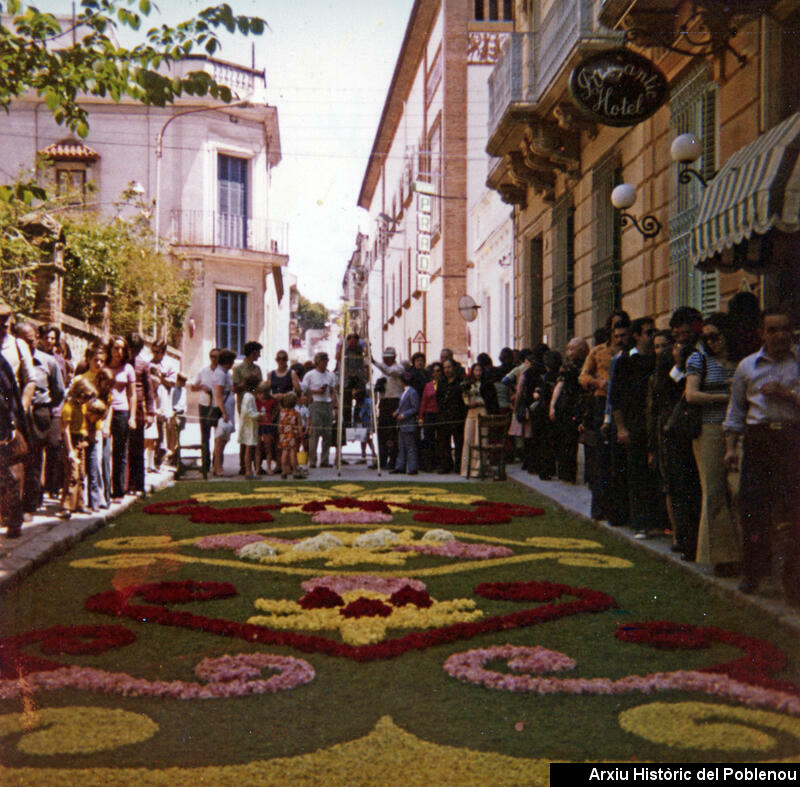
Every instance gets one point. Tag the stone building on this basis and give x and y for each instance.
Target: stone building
(426, 172)
(577, 256)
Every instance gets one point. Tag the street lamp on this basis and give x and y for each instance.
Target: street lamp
(622, 197)
(685, 149)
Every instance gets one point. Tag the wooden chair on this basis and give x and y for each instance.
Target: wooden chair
(189, 457)
(490, 446)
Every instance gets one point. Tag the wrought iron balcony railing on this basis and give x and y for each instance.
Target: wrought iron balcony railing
(225, 231)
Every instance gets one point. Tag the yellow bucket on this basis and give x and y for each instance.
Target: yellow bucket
(302, 457)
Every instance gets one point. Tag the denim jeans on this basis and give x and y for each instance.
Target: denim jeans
(94, 473)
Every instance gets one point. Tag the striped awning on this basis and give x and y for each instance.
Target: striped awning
(757, 190)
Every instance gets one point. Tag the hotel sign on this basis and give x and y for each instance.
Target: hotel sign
(424, 205)
(618, 87)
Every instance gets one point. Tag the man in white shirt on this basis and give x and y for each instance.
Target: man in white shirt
(387, 406)
(163, 374)
(202, 383)
(19, 358)
(320, 384)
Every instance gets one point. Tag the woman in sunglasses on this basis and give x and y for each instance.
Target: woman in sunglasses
(709, 372)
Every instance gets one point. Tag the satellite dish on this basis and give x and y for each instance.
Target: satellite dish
(468, 308)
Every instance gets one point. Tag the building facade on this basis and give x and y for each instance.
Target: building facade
(205, 167)
(576, 256)
(425, 175)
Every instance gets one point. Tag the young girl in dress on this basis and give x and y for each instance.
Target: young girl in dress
(289, 435)
(248, 428)
(268, 408)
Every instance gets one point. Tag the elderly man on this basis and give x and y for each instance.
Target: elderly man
(764, 408)
(568, 406)
(320, 385)
(387, 406)
(203, 384)
(48, 393)
(452, 414)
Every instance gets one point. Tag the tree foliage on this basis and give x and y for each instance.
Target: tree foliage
(117, 256)
(19, 253)
(311, 315)
(114, 255)
(34, 57)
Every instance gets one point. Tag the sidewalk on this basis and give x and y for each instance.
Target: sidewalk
(47, 536)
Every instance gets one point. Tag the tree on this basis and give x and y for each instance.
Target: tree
(114, 255)
(311, 315)
(117, 256)
(33, 58)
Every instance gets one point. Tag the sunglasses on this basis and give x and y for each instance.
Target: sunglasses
(711, 337)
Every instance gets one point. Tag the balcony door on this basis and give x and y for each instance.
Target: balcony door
(231, 202)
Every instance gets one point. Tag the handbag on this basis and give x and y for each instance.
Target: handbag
(18, 450)
(685, 421)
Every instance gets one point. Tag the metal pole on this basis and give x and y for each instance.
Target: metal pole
(340, 419)
(372, 400)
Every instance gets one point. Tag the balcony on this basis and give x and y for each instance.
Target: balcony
(568, 32)
(225, 231)
(512, 85)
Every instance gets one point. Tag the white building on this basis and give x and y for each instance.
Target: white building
(425, 184)
(207, 166)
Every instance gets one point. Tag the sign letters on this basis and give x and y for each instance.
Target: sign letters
(618, 87)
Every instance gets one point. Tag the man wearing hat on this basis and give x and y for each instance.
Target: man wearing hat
(387, 429)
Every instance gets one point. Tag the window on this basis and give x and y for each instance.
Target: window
(693, 109)
(528, 297)
(232, 202)
(231, 320)
(780, 54)
(71, 183)
(606, 288)
(494, 11)
(563, 307)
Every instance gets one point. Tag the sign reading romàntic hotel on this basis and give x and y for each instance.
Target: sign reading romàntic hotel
(618, 87)
(706, 774)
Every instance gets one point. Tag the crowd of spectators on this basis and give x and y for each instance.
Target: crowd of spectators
(81, 433)
(660, 415)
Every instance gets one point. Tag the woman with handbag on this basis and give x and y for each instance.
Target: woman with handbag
(225, 404)
(709, 372)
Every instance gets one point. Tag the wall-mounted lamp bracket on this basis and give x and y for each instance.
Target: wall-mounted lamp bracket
(649, 226)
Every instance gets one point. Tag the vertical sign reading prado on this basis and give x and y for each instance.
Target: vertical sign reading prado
(618, 87)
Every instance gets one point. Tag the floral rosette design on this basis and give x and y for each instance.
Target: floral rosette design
(363, 609)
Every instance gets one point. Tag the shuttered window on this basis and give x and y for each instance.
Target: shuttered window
(693, 110)
(563, 306)
(231, 320)
(231, 202)
(606, 287)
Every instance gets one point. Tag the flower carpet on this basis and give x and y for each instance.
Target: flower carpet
(375, 634)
